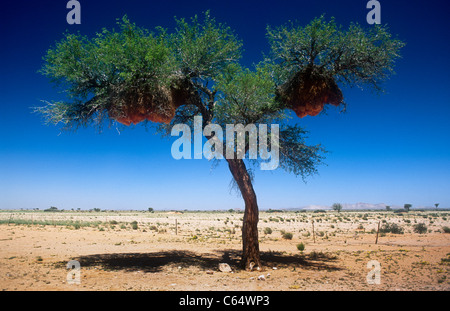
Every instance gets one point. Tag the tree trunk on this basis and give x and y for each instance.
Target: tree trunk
(250, 243)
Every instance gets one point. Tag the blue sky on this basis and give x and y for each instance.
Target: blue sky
(392, 148)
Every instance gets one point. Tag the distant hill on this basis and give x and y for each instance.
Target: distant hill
(361, 206)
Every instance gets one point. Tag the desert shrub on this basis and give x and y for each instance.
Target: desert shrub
(420, 228)
(446, 229)
(267, 230)
(301, 247)
(287, 235)
(391, 228)
(134, 225)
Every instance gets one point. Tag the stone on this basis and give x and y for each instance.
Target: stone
(224, 267)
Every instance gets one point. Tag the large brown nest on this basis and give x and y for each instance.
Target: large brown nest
(157, 105)
(307, 92)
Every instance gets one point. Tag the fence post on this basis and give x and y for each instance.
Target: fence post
(378, 230)
(314, 235)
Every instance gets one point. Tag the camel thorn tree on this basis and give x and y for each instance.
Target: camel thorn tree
(133, 75)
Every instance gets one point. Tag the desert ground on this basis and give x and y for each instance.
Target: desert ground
(137, 250)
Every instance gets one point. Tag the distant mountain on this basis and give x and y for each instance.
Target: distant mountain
(347, 206)
(359, 206)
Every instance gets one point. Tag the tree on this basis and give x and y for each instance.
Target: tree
(337, 207)
(436, 205)
(407, 207)
(388, 208)
(134, 75)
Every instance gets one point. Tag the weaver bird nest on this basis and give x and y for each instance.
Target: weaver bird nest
(307, 92)
(157, 104)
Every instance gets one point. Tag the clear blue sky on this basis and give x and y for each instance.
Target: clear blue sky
(392, 149)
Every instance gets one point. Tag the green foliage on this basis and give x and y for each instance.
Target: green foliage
(391, 228)
(420, 228)
(98, 72)
(204, 49)
(301, 247)
(356, 56)
(337, 207)
(267, 230)
(52, 209)
(246, 97)
(287, 235)
(295, 155)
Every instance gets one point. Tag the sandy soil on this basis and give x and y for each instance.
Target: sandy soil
(158, 256)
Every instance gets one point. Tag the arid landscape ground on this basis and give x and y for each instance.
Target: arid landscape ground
(134, 250)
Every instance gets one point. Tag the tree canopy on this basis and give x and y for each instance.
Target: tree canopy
(132, 75)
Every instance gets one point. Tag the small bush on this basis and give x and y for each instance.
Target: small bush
(267, 230)
(391, 228)
(420, 228)
(287, 236)
(446, 229)
(301, 247)
(134, 225)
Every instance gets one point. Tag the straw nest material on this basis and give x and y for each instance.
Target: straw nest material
(133, 106)
(307, 92)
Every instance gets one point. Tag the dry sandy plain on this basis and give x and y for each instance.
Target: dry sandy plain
(182, 251)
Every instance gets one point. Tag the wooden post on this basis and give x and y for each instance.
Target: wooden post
(176, 226)
(314, 235)
(378, 230)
